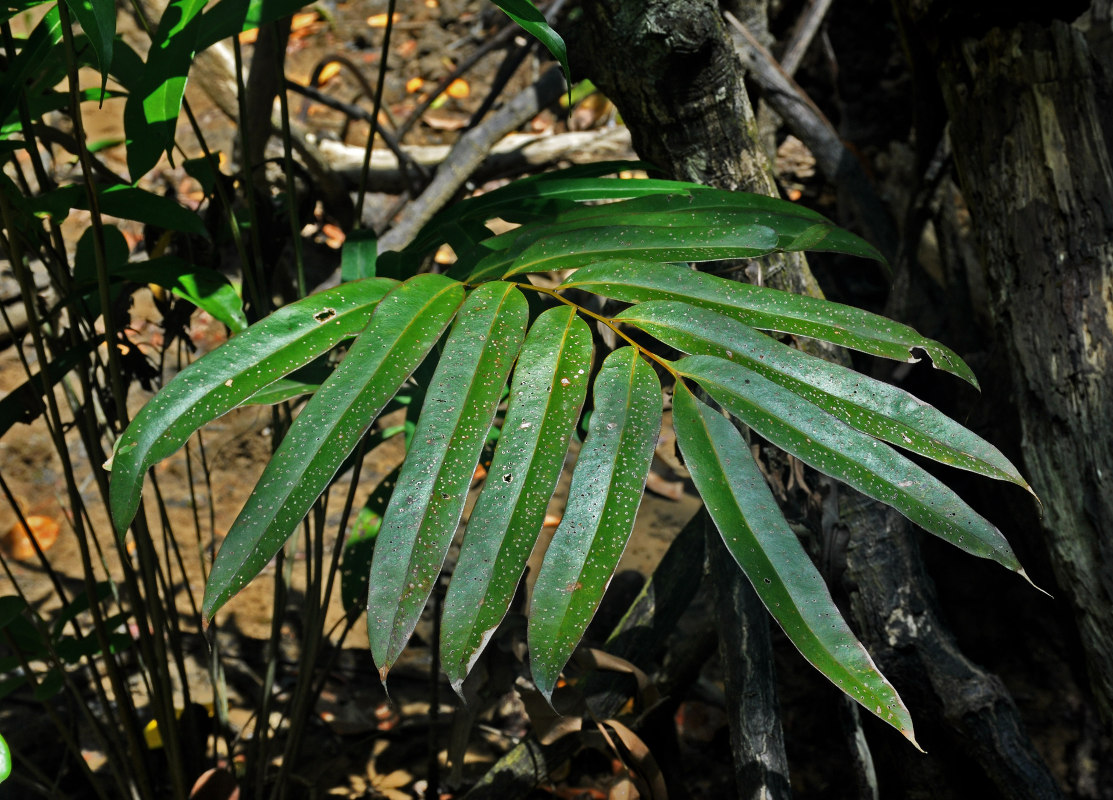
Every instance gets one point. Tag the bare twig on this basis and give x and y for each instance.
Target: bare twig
(356, 112)
(802, 34)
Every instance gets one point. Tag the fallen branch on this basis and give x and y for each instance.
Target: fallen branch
(468, 153)
(513, 155)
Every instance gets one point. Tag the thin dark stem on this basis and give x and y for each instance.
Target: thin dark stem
(378, 102)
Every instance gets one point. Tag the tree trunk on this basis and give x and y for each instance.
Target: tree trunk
(671, 70)
(1031, 112)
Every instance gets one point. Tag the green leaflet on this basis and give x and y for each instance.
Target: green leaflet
(696, 224)
(425, 509)
(659, 240)
(546, 397)
(541, 197)
(834, 448)
(406, 324)
(755, 532)
(98, 20)
(218, 382)
(607, 486)
(766, 309)
(532, 21)
(871, 406)
(151, 112)
(27, 65)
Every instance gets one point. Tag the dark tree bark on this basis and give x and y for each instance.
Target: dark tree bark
(671, 70)
(757, 740)
(965, 717)
(1031, 111)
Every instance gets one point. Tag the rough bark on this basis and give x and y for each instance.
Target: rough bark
(670, 68)
(1031, 112)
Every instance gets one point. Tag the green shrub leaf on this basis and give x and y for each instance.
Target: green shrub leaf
(546, 397)
(767, 309)
(756, 534)
(98, 20)
(28, 63)
(5, 760)
(151, 112)
(125, 202)
(533, 22)
(219, 381)
(829, 445)
(406, 324)
(871, 406)
(425, 510)
(205, 288)
(606, 490)
(702, 224)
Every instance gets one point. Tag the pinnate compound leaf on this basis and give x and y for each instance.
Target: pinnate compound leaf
(151, 111)
(873, 407)
(406, 325)
(829, 445)
(606, 490)
(766, 309)
(223, 379)
(756, 534)
(546, 397)
(425, 509)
